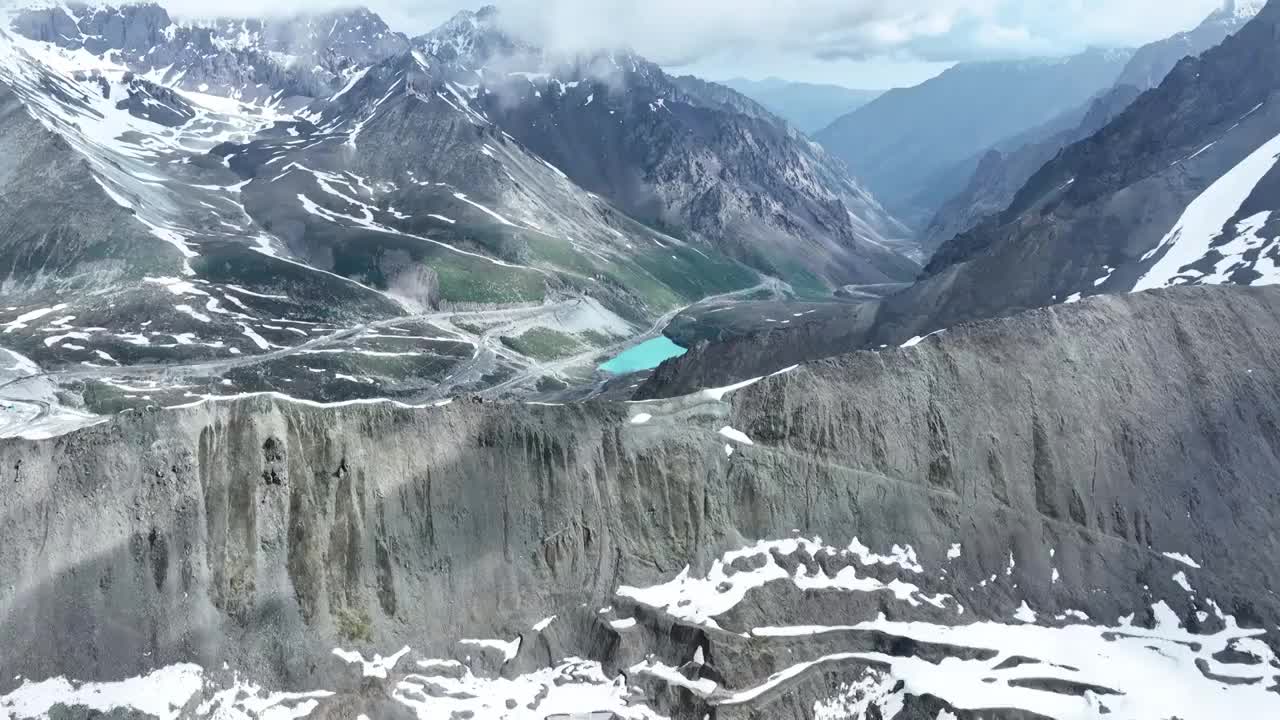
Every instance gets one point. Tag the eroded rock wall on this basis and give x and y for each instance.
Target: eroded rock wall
(1066, 450)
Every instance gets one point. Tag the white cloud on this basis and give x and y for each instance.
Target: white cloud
(681, 31)
(685, 32)
(1075, 23)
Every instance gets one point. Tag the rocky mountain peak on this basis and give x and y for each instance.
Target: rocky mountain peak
(130, 27)
(357, 35)
(471, 38)
(1241, 8)
(308, 54)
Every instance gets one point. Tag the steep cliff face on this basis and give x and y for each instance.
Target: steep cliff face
(992, 498)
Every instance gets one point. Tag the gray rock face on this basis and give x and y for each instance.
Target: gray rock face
(156, 103)
(46, 189)
(1064, 450)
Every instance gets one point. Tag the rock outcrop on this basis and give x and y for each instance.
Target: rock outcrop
(1037, 469)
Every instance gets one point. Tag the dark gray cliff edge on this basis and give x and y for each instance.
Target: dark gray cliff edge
(252, 531)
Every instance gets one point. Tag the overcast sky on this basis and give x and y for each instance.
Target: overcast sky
(858, 43)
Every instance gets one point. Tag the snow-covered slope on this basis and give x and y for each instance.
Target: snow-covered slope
(314, 205)
(249, 59)
(1064, 666)
(1209, 244)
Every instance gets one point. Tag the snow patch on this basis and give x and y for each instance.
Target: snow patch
(1179, 557)
(736, 435)
(1203, 219)
(508, 649)
(378, 667)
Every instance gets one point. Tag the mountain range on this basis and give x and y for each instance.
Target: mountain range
(1174, 187)
(1177, 189)
(1001, 173)
(914, 157)
(320, 205)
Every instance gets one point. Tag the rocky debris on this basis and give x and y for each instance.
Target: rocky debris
(157, 103)
(1075, 467)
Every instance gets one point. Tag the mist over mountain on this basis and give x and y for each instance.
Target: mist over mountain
(808, 106)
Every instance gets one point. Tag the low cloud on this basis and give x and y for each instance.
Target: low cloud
(684, 32)
(679, 32)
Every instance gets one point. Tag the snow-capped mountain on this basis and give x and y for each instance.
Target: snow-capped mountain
(1180, 188)
(307, 55)
(1153, 61)
(320, 206)
(694, 158)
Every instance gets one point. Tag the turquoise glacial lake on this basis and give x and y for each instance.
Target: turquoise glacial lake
(645, 356)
